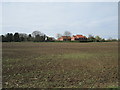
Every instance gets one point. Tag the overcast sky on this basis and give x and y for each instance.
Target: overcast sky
(100, 18)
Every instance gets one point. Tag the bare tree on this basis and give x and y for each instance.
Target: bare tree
(110, 38)
(35, 33)
(23, 36)
(90, 35)
(58, 35)
(91, 38)
(67, 33)
(38, 36)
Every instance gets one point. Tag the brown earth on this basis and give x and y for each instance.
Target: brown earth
(60, 65)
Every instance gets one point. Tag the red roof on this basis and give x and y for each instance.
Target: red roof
(79, 36)
(64, 37)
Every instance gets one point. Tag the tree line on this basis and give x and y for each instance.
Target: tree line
(37, 36)
(91, 38)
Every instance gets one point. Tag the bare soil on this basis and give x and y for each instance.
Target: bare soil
(60, 65)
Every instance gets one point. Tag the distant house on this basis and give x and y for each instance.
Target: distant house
(64, 38)
(78, 38)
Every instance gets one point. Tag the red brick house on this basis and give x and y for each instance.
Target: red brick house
(64, 38)
(78, 38)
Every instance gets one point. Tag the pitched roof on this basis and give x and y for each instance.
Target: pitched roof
(65, 37)
(79, 36)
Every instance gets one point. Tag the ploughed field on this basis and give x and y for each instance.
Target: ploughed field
(60, 65)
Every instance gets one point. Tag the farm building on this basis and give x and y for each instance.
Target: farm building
(64, 38)
(78, 38)
(73, 38)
